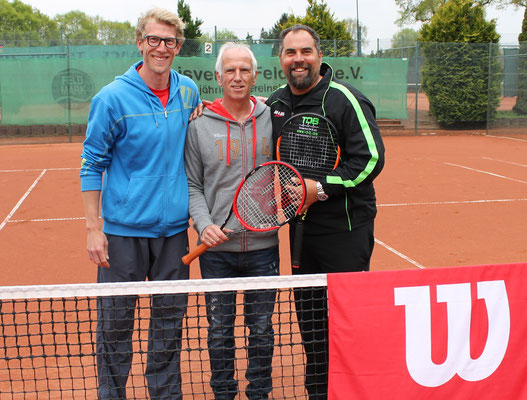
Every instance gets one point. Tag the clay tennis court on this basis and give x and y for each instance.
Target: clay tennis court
(443, 201)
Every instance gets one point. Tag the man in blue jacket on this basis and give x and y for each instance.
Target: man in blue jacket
(135, 139)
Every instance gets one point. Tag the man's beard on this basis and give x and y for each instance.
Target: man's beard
(302, 83)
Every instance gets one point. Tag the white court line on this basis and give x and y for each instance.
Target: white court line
(436, 203)
(507, 137)
(433, 203)
(37, 169)
(505, 162)
(398, 253)
(426, 203)
(14, 221)
(485, 172)
(14, 210)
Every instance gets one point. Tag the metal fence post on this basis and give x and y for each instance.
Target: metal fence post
(489, 86)
(69, 85)
(416, 86)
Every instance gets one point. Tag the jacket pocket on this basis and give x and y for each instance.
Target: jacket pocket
(143, 203)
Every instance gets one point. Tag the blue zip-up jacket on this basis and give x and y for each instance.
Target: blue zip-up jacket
(137, 144)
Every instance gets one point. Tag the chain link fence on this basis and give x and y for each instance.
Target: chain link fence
(465, 86)
(424, 88)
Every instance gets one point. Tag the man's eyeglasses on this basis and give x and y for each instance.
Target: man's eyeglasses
(154, 41)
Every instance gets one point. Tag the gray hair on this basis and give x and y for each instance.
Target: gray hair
(234, 45)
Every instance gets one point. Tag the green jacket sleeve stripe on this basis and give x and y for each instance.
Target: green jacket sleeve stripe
(368, 136)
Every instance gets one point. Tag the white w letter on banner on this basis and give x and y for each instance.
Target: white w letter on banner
(459, 308)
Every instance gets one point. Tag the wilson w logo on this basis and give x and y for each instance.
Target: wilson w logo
(458, 299)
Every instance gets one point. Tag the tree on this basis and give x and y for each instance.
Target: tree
(417, 10)
(274, 32)
(351, 27)
(23, 25)
(505, 3)
(192, 30)
(222, 35)
(456, 70)
(402, 44)
(192, 26)
(423, 10)
(111, 32)
(406, 37)
(334, 35)
(79, 28)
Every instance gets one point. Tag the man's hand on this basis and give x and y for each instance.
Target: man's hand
(198, 112)
(97, 243)
(98, 247)
(213, 236)
(311, 194)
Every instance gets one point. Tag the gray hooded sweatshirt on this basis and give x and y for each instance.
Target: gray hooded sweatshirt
(219, 152)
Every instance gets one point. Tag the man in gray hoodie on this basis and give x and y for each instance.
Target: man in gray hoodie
(231, 138)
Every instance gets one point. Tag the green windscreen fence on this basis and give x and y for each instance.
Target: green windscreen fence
(44, 89)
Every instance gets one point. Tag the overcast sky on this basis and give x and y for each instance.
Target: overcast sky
(249, 16)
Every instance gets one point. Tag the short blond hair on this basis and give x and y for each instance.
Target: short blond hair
(163, 16)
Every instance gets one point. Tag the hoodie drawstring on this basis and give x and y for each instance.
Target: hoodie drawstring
(228, 147)
(228, 150)
(152, 108)
(254, 142)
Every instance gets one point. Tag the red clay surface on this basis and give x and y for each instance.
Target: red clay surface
(443, 201)
(506, 103)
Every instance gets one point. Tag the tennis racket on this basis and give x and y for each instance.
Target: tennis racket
(308, 141)
(267, 198)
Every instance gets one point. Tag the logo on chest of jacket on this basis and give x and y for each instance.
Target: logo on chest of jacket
(279, 113)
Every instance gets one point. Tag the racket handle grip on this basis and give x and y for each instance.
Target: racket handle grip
(297, 245)
(198, 251)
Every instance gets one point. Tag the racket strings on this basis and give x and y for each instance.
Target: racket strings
(268, 197)
(312, 152)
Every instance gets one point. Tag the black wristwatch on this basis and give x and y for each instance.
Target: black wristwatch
(321, 195)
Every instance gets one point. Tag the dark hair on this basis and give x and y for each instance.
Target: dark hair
(296, 28)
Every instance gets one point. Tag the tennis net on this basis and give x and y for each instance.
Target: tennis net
(48, 336)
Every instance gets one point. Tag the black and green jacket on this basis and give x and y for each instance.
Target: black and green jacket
(351, 202)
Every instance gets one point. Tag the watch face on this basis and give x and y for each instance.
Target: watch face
(322, 196)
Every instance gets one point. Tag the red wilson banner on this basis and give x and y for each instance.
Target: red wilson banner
(445, 333)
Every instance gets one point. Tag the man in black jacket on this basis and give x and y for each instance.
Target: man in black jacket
(338, 229)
